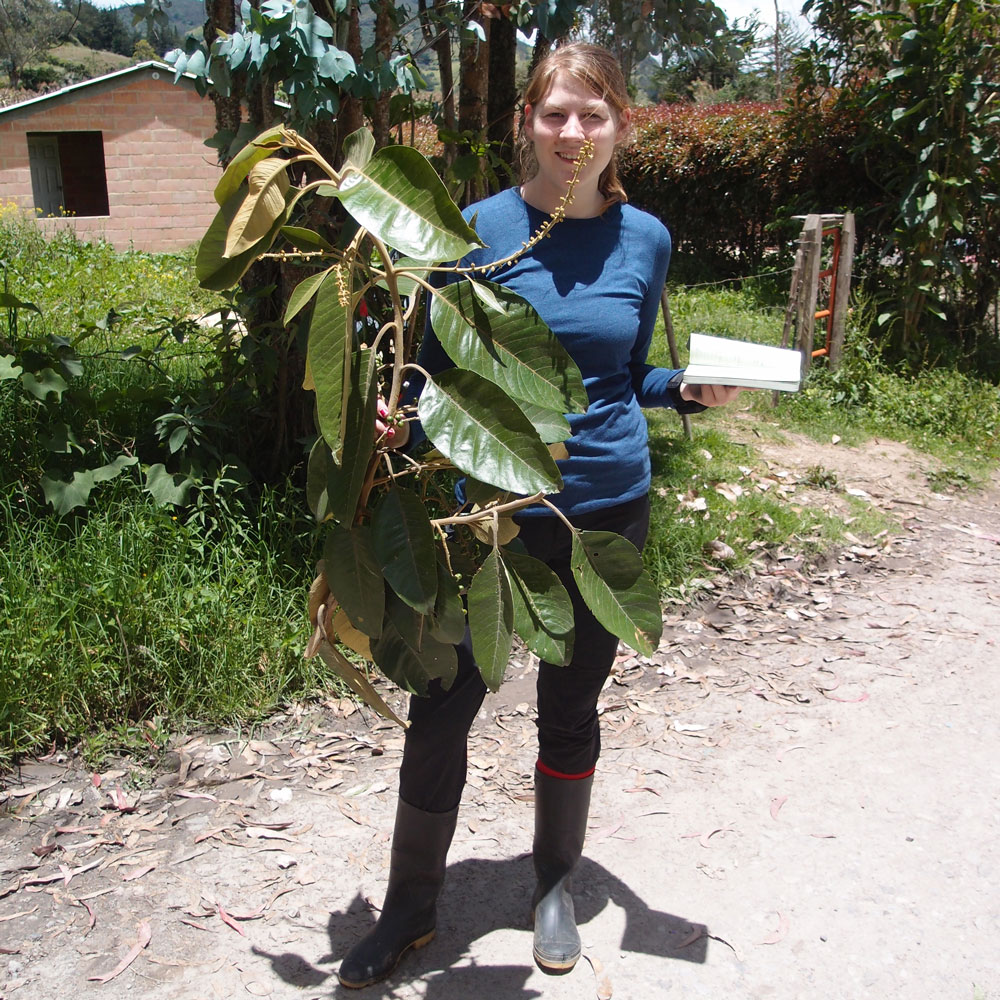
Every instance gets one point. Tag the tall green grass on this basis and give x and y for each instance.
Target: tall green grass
(133, 613)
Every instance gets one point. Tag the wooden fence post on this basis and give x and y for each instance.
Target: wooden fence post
(843, 293)
(675, 359)
(812, 234)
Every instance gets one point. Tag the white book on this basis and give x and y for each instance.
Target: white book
(721, 361)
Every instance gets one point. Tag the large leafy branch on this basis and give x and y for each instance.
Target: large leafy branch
(405, 569)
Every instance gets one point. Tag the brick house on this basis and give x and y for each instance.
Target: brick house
(120, 157)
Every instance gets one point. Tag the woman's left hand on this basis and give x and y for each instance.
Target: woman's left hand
(710, 395)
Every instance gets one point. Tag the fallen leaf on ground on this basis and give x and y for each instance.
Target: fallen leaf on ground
(784, 750)
(696, 934)
(145, 935)
(604, 988)
(227, 919)
(850, 701)
(776, 804)
(779, 934)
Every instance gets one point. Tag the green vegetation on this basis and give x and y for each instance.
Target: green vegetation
(129, 617)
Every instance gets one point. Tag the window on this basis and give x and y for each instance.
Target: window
(67, 173)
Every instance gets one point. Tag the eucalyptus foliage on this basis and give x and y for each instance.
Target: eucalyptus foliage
(405, 568)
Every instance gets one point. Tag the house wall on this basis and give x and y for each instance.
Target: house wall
(160, 175)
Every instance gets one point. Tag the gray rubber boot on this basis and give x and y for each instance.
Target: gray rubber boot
(420, 843)
(561, 809)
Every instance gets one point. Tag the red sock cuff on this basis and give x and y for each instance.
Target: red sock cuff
(552, 773)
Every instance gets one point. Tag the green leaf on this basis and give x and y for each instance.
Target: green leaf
(399, 198)
(331, 333)
(543, 611)
(404, 545)
(438, 660)
(212, 268)
(357, 681)
(346, 480)
(8, 368)
(317, 479)
(491, 620)
(513, 348)
(609, 572)
(8, 301)
(354, 576)
(358, 148)
(481, 493)
(552, 426)
(406, 283)
(167, 488)
(448, 623)
(44, 382)
(481, 430)
(398, 661)
(306, 239)
(244, 161)
(64, 496)
(262, 207)
(302, 294)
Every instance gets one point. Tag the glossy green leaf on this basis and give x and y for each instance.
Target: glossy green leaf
(404, 545)
(513, 349)
(212, 268)
(331, 332)
(306, 239)
(609, 572)
(407, 283)
(483, 432)
(244, 161)
(357, 681)
(345, 481)
(355, 577)
(551, 425)
(543, 612)
(358, 148)
(491, 620)
(303, 294)
(448, 621)
(399, 198)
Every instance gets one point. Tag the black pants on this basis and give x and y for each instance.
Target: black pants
(432, 774)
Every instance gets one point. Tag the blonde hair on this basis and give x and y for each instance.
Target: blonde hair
(598, 70)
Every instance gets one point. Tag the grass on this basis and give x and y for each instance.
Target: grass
(123, 621)
(131, 613)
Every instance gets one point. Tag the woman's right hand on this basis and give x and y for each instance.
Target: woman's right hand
(396, 435)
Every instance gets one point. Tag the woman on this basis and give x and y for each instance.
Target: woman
(596, 282)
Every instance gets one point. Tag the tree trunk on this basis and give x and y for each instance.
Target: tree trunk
(221, 16)
(472, 96)
(502, 92)
(385, 29)
(350, 116)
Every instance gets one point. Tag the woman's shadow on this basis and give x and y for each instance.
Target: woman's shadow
(481, 896)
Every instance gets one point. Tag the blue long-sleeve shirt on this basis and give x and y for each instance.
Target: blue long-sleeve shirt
(596, 284)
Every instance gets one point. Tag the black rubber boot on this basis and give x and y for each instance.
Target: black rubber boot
(420, 843)
(561, 808)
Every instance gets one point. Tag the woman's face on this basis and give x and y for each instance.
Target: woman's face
(558, 125)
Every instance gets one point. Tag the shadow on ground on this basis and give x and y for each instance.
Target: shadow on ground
(480, 897)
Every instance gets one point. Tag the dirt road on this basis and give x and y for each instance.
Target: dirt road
(799, 797)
